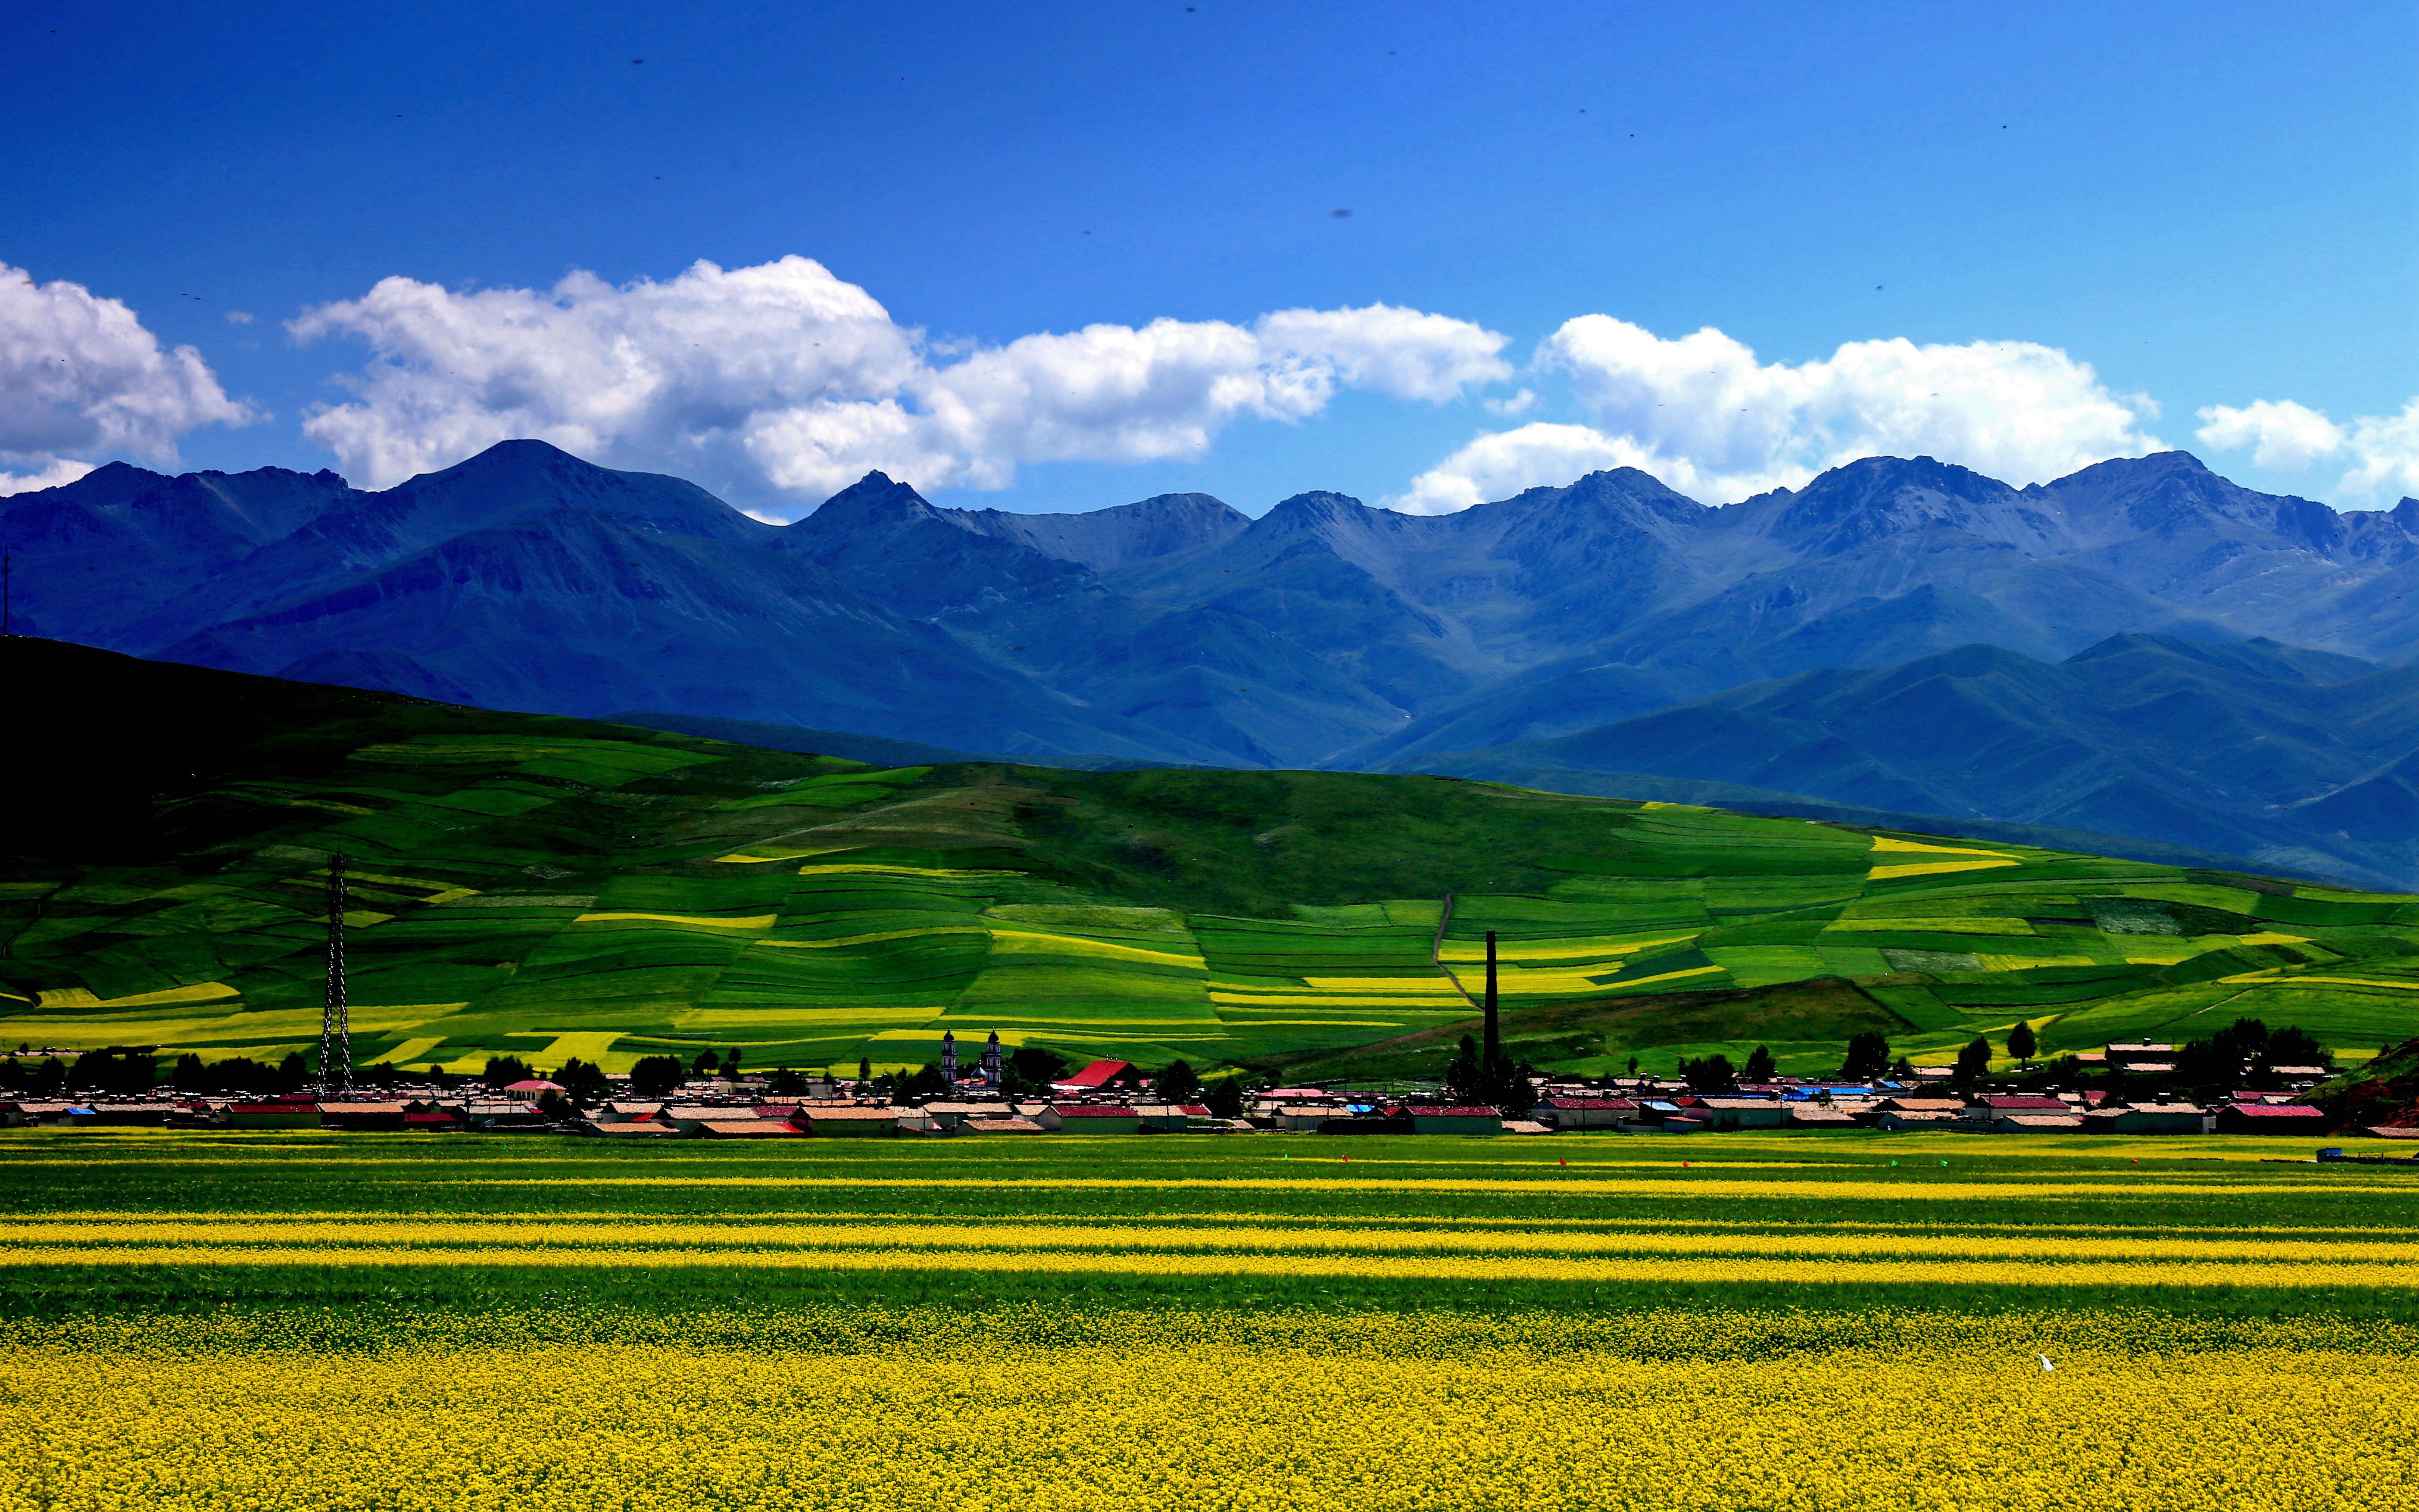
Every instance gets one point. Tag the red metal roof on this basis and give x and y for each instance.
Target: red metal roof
(1098, 1074)
(2284, 1110)
(1592, 1105)
(1457, 1113)
(1096, 1110)
(2022, 1100)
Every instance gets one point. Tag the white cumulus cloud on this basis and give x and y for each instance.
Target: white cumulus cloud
(2380, 453)
(784, 377)
(58, 474)
(81, 376)
(1703, 414)
(2278, 433)
(1501, 464)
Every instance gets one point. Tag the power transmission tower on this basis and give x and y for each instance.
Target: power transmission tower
(335, 1018)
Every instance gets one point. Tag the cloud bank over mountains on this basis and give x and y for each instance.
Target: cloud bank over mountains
(80, 378)
(1704, 415)
(781, 383)
(2380, 452)
(788, 375)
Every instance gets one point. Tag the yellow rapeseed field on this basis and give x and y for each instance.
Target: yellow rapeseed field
(1199, 1409)
(376, 1324)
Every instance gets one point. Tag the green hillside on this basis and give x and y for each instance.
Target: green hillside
(550, 887)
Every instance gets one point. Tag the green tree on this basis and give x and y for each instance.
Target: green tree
(1521, 1094)
(927, 1082)
(1038, 1066)
(1633, 1065)
(1711, 1076)
(706, 1064)
(13, 1071)
(585, 1083)
(865, 1071)
(1973, 1062)
(1901, 1069)
(1224, 1098)
(1868, 1056)
(730, 1064)
(2021, 1042)
(786, 1082)
(292, 1072)
(1760, 1068)
(240, 1073)
(503, 1070)
(2291, 1046)
(654, 1077)
(1178, 1083)
(116, 1071)
(1465, 1080)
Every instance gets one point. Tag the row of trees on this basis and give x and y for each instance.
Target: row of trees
(2243, 1054)
(123, 1072)
(118, 1072)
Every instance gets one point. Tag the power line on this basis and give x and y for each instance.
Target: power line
(335, 1017)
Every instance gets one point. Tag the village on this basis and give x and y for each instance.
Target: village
(1114, 1097)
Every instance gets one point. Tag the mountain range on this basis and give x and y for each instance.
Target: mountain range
(2142, 648)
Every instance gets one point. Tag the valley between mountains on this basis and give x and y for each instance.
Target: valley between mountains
(2142, 659)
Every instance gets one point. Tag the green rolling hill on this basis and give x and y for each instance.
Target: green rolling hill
(549, 886)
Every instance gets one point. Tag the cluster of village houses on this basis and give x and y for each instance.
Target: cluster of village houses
(1106, 1097)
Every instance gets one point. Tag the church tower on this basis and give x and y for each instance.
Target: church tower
(949, 1058)
(991, 1068)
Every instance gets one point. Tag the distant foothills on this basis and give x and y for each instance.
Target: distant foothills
(2142, 650)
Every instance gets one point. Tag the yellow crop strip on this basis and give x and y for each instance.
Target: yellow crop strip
(1925, 869)
(509, 1240)
(878, 869)
(1033, 942)
(1884, 842)
(878, 937)
(2272, 979)
(200, 992)
(1931, 926)
(1699, 1271)
(690, 921)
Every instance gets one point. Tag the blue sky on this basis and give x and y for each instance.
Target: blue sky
(2212, 206)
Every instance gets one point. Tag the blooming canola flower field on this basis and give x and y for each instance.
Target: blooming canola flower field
(299, 1321)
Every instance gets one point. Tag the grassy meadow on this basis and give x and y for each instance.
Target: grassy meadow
(548, 887)
(1833, 1321)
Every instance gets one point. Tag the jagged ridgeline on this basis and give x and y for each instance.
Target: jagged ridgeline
(549, 886)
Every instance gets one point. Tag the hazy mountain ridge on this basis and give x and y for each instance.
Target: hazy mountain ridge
(1323, 633)
(2296, 759)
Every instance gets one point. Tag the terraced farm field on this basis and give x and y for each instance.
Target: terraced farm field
(1863, 1322)
(548, 887)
